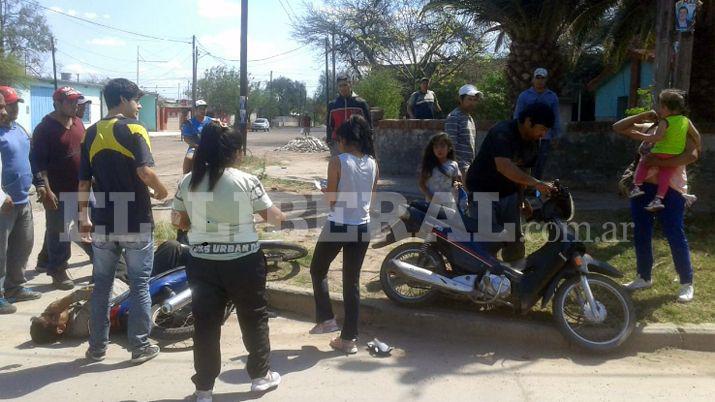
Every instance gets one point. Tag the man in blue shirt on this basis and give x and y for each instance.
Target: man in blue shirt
(191, 132)
(540, 93)
(16, 228)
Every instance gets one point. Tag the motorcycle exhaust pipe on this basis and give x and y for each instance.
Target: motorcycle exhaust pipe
(431, 278)
(176, 302)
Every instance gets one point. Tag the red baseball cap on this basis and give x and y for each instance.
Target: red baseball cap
(68, 93)
(10, 95)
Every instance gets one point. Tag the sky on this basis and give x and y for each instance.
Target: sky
(165, 66)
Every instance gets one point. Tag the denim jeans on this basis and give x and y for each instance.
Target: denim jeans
(56, 250)
(139, 256)
(672, 221)
(506, 211)
(543, 157)
(354, 249)
(16, 238)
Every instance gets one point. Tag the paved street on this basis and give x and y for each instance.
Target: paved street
(447, 369)
(424, 369)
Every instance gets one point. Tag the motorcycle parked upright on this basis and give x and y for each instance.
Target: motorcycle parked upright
(590, 309)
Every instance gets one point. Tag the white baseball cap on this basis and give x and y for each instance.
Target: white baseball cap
(200, 103)
(541, 72)
(83, 100)
(470, 90)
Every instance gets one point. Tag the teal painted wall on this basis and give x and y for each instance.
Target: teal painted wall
(38, 102)
(618, 86)
(147, 114)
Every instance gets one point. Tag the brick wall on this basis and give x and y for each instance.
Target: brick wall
(590, 157)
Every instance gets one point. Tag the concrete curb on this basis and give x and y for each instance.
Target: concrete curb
(440, 321)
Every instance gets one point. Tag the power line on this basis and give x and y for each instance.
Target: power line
(290, 17)
(68, 43)
(92, 65)
(250, 61)
(32, 3)
(291, 9)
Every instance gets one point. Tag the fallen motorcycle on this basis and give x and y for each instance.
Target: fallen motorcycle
(171, 296)
(590, 309)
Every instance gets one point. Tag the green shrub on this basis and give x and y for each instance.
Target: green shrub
(381, 89)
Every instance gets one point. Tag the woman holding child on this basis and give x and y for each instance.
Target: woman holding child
(670, 142)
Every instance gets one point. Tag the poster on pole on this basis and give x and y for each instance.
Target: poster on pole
(685, 12)
(243, 116)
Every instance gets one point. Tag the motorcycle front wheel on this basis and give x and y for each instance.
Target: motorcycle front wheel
(602, 329)
(403, 290)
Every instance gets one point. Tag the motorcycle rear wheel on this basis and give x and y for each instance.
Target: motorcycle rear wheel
(402, 290)
(178, 325)
(571, 314)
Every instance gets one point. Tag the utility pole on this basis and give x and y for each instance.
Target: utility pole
(194, 65)
(243, 107)
(673, 51)
(270, 92)
(178, 91)
(333, 83)
(663, 45)
(54, 64)
(327, 77)
(137, 66)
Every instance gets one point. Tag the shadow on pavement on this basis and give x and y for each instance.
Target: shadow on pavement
(20, 383)
(282, 361)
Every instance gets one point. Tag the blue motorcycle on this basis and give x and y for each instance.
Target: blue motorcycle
(171, 296)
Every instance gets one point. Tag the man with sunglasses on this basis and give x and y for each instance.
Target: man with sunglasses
(541, 94)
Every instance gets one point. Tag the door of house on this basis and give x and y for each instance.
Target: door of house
(40, 104)
(621, 106)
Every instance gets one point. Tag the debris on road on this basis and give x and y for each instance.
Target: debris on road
(305, 144)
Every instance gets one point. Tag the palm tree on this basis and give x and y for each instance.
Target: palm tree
(540, 33)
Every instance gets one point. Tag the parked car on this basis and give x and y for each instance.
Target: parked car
(261, 124)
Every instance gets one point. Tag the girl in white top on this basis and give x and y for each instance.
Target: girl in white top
(352, 176)
(216, 203)
(439, 172)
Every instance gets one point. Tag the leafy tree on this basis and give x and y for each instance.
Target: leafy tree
(381, 89)
(11, 71)
(289, 95)
(220, 88)
(24, 36)
(370, 34)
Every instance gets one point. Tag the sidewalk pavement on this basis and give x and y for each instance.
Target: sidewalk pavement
(442, 322)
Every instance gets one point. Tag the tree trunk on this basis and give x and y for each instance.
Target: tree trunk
(526, 56)
(702, 80)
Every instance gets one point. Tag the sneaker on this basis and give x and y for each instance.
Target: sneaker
(340, 344)
(22, 294)
(203, 396)
(686, 293)
(145, 354)
(6, 307)
(655, 205)
(636, 192)
(638, 284)
(263, 384)
(41, 268)
(62, 281)
(95, 356)
(325, 327)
